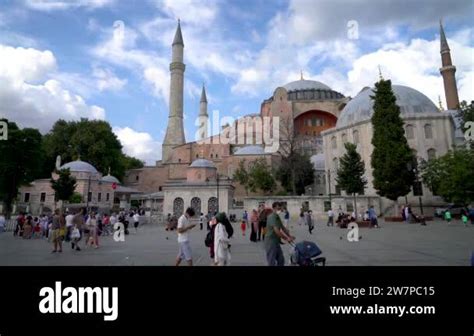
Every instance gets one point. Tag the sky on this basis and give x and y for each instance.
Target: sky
(109, 59)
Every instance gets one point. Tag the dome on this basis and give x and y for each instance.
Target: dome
(318, 161)
(202, 163)
(250, 150)
(80, 166)
(110, 179)
(304, 84)
(360, 108)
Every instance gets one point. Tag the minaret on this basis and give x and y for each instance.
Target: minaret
(447, 71)
(175, 131)
(203, 116)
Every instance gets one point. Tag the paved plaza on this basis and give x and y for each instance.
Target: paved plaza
(392, 244)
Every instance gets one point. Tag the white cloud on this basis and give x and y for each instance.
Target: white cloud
(53, 5)
(139, 144)
(31, 97)
(106, 80)
(199, 12)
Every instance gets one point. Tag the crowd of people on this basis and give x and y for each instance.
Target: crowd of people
(72, 227)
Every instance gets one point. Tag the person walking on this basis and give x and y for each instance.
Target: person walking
(330, 218)
(69, 226)
(243, 227)
(56, 226)
(93, 239)
(276, 231)
(373, 217)
(464, 219)
(136, 221)
(2, 223)
(202, 218)
(309, 221)
(253, 225)
(407, 212)
(245, 216)
(447, 216)
(221, 241)
(184, 226)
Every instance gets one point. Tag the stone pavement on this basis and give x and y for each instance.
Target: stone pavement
(392, 244)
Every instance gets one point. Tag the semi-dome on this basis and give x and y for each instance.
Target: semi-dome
(79, 166)
(202, 163)
(110, 179)
(304, 84)
(409, 100)
(250, 150)
(318, 161)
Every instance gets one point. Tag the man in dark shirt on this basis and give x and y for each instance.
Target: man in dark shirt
(275, 232)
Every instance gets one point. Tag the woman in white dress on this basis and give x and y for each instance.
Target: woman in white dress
(221, 243)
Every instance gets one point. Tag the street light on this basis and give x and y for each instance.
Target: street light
(417, 187)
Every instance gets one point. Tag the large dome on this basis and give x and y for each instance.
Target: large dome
(250, 150)
(110, 179)
(80, 166)
(202, 163)
(409, 100)
(304, 84)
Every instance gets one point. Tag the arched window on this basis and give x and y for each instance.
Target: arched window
(355, 135)
(196, 205)
(428, 132)
(212, 205)
(212, 156)
(344, 138)
(410, 131)
(333, 142)
(431, 154)
(178, 206)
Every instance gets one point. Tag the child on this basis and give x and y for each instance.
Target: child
(447, 216)
(243, 227)
(464, 219)
(37, 231)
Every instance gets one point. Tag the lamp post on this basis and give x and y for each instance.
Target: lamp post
(217, 180)
(88, 192)
(329, 183)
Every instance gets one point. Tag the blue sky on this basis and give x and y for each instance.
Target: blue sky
(109, 58)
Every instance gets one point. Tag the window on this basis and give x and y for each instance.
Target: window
(333, 142)
(344, 138)
(137, 178)
(160, 188)
(335, 163)
(428, 132)
(196, 205)
(99, 197)
(43, 197)
(431, 154)
(89, 197)
(355, 135)
(410, 133)
(27, 197)
(314, 122)
(217, 155)
(308, 122)
(349, 206)
(179, 160)
(327, 205)
(197, 155)
(107, 197)
(212, 156)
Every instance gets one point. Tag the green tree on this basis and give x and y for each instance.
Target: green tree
(76, 198)
(451, 176)
(64, 185)
(261, 177)
(295, 173)
(20, 161)
(350, 175)
(241, 176)
(92, 140)
(391, 154)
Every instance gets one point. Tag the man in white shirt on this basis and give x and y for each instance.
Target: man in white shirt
(183, 238)
(330, 217)
(69, 225)
(136, 221)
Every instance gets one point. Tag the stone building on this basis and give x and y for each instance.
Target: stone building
(317, 118)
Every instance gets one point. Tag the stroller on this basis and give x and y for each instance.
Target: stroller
(307, 253)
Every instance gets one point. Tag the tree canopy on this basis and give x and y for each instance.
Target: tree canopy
(64, 185)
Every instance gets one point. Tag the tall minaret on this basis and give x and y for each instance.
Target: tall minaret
(175, 131)
(203, 116)
(447, 71)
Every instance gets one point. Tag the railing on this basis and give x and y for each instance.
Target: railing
(10, 225)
